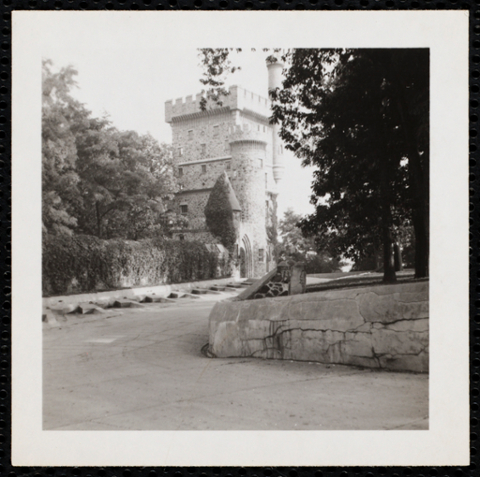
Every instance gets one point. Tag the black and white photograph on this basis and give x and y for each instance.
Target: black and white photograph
(253, 231)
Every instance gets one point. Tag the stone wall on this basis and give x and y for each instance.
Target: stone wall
(210, 130)
(384, 326)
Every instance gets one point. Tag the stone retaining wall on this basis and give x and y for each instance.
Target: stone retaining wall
(384, 326)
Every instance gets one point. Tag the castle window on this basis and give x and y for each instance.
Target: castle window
(264, 129)
(190, 134)
(266, 180)
(184, 209)
(260, 163)
(244, 216)
(180, 171)
(261, 255)
(180, 151)
(203, 149)
(258, 127)
(215, 130)
(228, 165)
(181, 237)
(204, 168)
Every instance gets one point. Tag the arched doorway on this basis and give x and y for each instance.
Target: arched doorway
(243, 263)
(246, 263)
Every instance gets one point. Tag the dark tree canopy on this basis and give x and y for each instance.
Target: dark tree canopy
(361, 118)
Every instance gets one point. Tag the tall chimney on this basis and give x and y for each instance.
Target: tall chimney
(275, 81)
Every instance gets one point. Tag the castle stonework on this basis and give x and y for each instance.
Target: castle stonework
(238, 139)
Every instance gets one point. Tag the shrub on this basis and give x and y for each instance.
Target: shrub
(83, 263)
(219, 212)
(321, 264)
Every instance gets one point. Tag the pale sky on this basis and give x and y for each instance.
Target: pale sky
(132, 87)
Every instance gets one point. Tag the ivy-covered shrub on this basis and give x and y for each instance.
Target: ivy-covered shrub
(83, 263)
(222, 205)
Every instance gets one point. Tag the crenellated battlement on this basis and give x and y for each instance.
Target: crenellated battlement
(238, 99)
(244, 133)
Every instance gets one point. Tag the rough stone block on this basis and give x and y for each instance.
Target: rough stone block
(298, 279)
(126, 304)
(198, 291)
(89, 308)
(372, 327)
(387, 308)
(62, 309)
(409, 325)
(358, 344)
(394, 342)
(176, 294)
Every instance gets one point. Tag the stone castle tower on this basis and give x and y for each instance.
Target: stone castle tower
(237, 139)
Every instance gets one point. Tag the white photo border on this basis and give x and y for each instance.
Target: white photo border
(446, 442)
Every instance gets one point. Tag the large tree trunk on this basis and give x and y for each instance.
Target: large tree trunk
(414, 127)
(389, 275)
(397, 257)
(420, 211)
(386, 224)
(422, 245)
(99, 219)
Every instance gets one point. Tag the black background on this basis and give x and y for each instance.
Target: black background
(6, 468)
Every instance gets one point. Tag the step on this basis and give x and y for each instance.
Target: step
(217, 288)
(89, 308)
(127, 304)
(159, 299)
(190, 295)
(176, 294)
(199, 291)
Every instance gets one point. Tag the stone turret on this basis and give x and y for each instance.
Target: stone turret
(275, 81)
(235, 139)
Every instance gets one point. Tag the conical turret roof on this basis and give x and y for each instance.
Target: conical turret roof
(232, 198)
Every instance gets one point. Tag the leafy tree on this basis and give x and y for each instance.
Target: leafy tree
(217, 66)
(96, 179)
(59, 154)
(345, 112)
(293, 239)
(361, 117)
(126, 180)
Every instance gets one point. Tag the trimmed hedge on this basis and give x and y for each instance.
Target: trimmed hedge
(83, 263)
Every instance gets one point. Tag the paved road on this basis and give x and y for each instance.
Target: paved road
(143, 369)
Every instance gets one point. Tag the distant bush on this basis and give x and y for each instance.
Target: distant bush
(83, 263)
(366, 264)
(321, 264)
